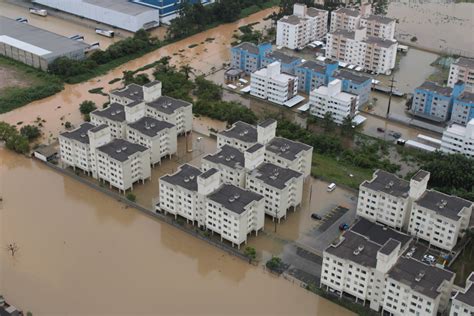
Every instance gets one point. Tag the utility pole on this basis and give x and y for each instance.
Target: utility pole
(392, 81)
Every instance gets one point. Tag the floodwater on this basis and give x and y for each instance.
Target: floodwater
(441, 26)
(82, 253)
(61, 23)
(207, 57)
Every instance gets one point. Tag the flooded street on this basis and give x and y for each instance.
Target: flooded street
(442, 26)
(77, 245)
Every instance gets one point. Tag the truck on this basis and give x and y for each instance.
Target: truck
(40, 12)
(106, 33)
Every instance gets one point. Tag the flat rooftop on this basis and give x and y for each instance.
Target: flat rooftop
(465, 62)
(47, 45)
(347, 11)
(122, 6)
(150, 126)
(346, 249)
(466, 97)
(282, 57)
(467, 296)
(121, 149)
(420, 277)
(185, 177)
(378, 233)
(379, 19)
(249, 47)
(319, 67)
(443, 204)
(168, 105)
(431, 86)
(228, 156)
(133, 92)
(291, 19)
(273, 175)
(286, 148)
(241, 131)
(388, 183)
(234, 198)
(114, 112)
(352, 76)
(380, 41)
(79, 134)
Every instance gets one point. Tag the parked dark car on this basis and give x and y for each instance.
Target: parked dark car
(316, 217)
(381, 130)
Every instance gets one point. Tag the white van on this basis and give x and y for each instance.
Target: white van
(331, 187)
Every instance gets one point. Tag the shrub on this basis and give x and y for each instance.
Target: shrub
(131, 197)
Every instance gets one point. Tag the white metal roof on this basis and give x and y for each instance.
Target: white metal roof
(293, 101)
(23, 46)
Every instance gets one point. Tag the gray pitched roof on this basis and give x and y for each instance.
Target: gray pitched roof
(352, 76)
(150, 126)
(254, 148)
(281, 57)
(234, 198)
(379, 41)
(443, 204)
(379, 18)
(208, 173)
(114, 112)
(367, 257)
(168, 105)
(319, 67)
(467, 296)
(80, 133)
(228, 156)
(185, 177)
(286, 148)
(465, 62)
(345, 33)
(274, 175)
(347, 11)
(378, 233)
(241, 131)
(133, 92)
(431, 86)
(121, 149)
(291, 19)
(314, 11)
(388, 183)
(249, 47)
(407, 271)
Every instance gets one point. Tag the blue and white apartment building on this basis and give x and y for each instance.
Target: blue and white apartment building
(169, 8)
(437, 103)
(249, 58)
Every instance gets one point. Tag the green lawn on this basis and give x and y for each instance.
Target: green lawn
(328, 168)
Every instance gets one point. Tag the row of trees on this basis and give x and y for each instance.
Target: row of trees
(194, 18)
(67, 68)
(18, 141)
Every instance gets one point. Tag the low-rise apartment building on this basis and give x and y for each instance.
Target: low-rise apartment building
(387, 198)
(374, 54)
(290, 154)
(282, 188)
(312, 74)
(463, 301)
(174, 111)
(303, 27)
(288, 63)
(233, 213)
(458, 139)
(242, 135)
(112, 116)
(248, 56)
(331, 99)
(439, 219)
(379, 26)
(357, 265)
(230, 162)
(344, 19)
(159, 136)
(272, 84)
(354, 83)
(462, 70)
(415, 288)
(463, 108)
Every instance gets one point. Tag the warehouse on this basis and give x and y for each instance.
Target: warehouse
(117, 13)
(34, 46)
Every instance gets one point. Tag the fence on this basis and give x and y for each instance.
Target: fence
(150, 213)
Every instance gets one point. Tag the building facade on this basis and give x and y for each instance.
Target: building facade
(331, 99)
(463, 301)
(272, 84)
(248, 56)
(459, 139)
(303, 27)
(169, 9)
(462, 70)
(312, 74)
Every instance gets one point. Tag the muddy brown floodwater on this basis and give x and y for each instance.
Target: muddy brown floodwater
(82, 253)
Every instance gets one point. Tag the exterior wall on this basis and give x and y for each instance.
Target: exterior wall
(342, 21)
(27, 57)
(75, 154)
(459, 308)
(266, 86)
(247, 61)
(161, 145)
(463, 143)
(287, 35)
(177, 200)
(462, 112)
(104, 15)
(374, 28)
(228, 175)
(309, 79)
(461, 73)
(117, 129)
(242, 146)
(182, 118)
(431, 104)
(384, 208)
(169, 9)
(301, 164)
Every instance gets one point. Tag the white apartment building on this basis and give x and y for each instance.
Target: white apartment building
(388, 199)
(355, 47)
(174, 111)
(282, 188)
(462, 70)
(459, 139)
(112, 116)
(358, 264)
(271, 84)
(179, 193)
(74, 146)
(290, 154)
(135, 93)
(159, 136)
(242, 135)
(415, 288)
(303, 27)
(331, 99)
(233, 213)
(439, 219)
(121, 163)
(230, 162)
(463, 301)
(351, 19)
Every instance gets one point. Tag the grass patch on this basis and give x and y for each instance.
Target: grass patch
(41, 85)
(328, 168)
(114, 80)
(193, 45)
(98, 91)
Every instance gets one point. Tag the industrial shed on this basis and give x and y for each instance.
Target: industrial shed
(34, 46)
(118, 13)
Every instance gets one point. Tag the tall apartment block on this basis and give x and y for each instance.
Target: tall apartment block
(462, 70)
(458, 139)
(303, 27)
(331, 99)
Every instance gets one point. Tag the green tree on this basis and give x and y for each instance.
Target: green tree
(87, 107)
(131, 197)
(380, 7)
(274, 264)
(30, 131)
(328, 122)
(186, 70)
(250, 252)
(67, 125)
(346, 126)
